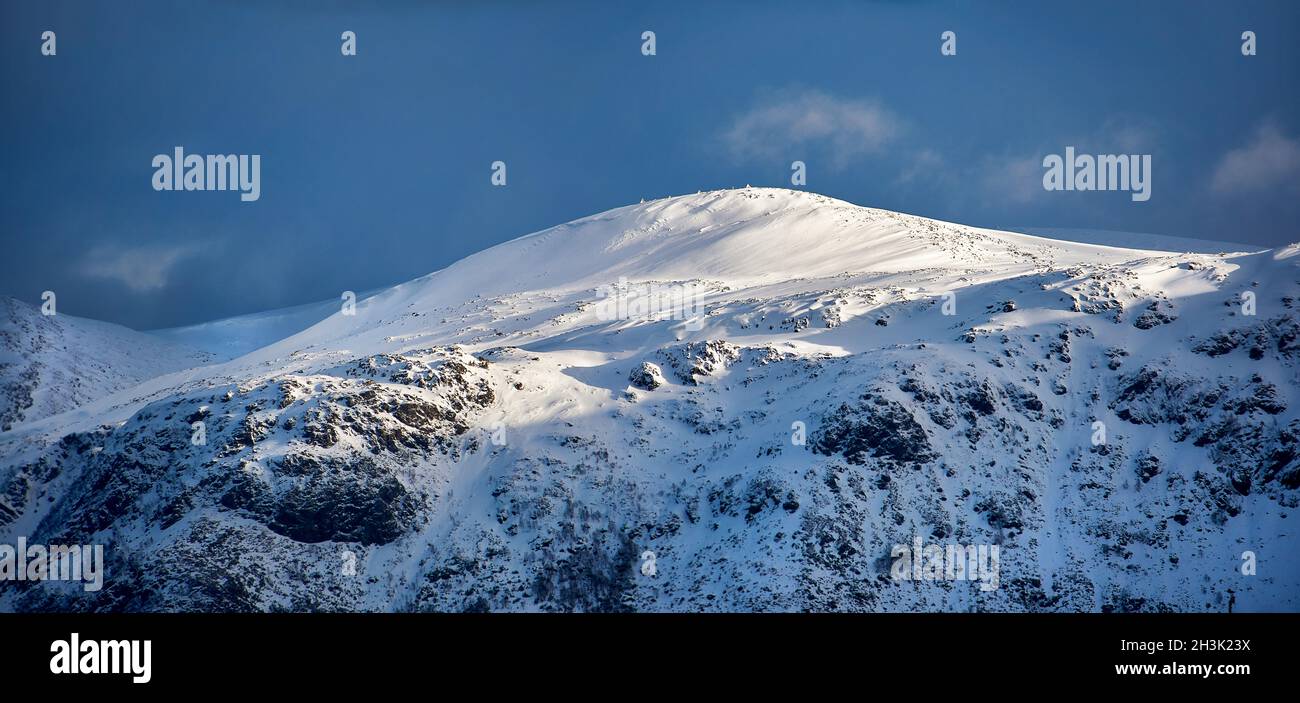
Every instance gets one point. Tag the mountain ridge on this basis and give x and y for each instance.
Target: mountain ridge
(483, 438)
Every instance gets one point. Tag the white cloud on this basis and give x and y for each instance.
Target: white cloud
(142, 269)
(1269, 159)
(1018, 179)
(1126, 135)
(1131, 139)
(926, 164)
(789, 124)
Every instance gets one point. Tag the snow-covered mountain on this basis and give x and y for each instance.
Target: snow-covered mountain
(53, 363)
(231, 337)
(489, 436)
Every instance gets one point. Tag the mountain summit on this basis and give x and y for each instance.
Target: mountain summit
(1120, 424)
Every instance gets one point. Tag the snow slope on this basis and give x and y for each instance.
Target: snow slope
(50, 364)
(232, 337)
(1139, 240)
(485, 438)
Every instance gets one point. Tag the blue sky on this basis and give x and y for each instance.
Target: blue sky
(376, 168)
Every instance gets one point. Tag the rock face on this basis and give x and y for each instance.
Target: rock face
(647, 376)
(877, 428)
(509, 449)
(355, 456)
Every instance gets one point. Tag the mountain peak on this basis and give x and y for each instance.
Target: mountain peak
(840, 381)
